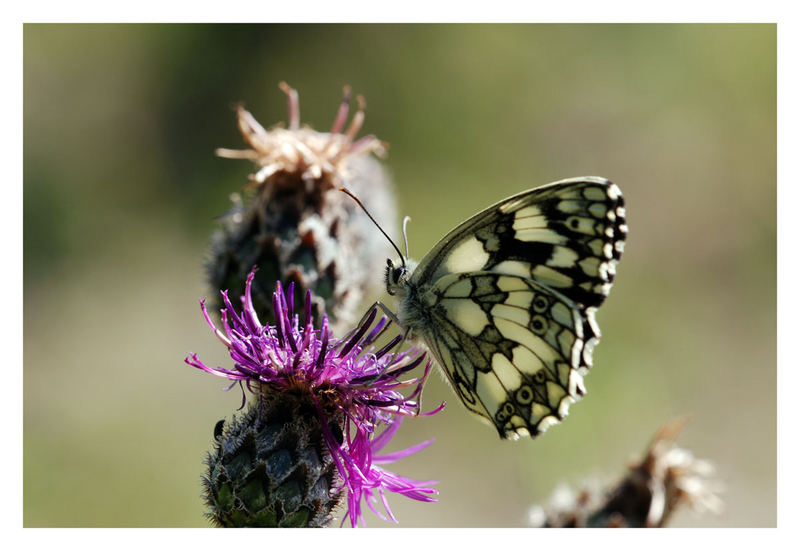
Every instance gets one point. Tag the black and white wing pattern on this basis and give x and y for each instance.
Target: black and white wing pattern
(506, 301)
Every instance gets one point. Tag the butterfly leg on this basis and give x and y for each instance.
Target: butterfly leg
(360, 329)
(386, 311)
(406, 333)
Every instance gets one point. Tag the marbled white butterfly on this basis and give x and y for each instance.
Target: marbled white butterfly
(506, 301)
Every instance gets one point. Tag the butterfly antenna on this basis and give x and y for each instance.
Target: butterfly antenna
(406, 220)
(360, 204)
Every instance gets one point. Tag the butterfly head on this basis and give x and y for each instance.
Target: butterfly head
(397, 276)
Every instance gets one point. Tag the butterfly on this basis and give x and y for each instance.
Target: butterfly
(506, 301)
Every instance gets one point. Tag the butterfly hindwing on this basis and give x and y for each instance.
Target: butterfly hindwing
(514, 351)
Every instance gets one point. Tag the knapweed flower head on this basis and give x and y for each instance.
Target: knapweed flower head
(355, 389)
(293, 222)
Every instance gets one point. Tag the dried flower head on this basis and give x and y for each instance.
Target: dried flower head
(352, 390)
(294, 223)
(320, 159)
(666, 478)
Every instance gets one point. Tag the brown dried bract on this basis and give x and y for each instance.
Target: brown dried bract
(663, 480)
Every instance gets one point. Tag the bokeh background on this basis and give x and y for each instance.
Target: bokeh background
(121, 188)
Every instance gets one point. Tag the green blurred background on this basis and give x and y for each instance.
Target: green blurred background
(121, 188)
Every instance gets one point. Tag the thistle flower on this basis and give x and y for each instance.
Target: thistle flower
(294, 223)
(336, 400)
(666, 478)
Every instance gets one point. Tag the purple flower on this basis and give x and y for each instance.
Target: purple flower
(355, 389)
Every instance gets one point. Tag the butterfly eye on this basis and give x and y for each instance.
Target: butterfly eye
(393, 275)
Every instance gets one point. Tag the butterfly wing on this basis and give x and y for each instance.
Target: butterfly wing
(514, 351)
(511, 295)
(568, 236)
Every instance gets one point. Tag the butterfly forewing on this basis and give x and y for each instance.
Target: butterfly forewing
(506, 300)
